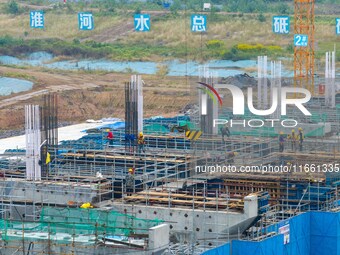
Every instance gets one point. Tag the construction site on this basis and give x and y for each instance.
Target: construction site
(224, 176)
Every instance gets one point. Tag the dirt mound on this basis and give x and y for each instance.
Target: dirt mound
(240, 80)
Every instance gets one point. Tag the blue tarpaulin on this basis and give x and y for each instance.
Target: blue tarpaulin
(221, 250)
(310, 233)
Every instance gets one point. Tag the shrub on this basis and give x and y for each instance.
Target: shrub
(261, 17)
(249, 47)
(214, 44)
(13, 8)
(162, 70)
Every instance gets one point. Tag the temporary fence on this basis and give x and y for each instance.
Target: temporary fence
(310, 233)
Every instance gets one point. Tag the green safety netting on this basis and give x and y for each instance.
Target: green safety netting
(316, 132)
(258, 132)
(159, 128)
(270, 131)
(155, 128)
(76, 221)
(318, 117)
(338, 110)
(190, 125)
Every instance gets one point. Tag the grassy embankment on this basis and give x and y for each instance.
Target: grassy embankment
(228, 37)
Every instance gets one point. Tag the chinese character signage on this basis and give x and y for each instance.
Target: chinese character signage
(284, 229)
(85, 21)
(142, 22)
(300, 40)
(281, 24)
(198, 23)
(337, 28)
(37, 19)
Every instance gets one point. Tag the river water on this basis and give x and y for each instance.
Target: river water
(222, 68)
(12, 85)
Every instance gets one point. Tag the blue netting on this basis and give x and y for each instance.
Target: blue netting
(299, 235)
(325, 233)
(270, 246)
(221, 250)
(311, 233)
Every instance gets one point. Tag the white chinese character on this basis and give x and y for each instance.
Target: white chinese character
(304, 41)
(37, 19)
(86, 21)
(198, 24)
(281, 25)
(142, 23)
(338, 26)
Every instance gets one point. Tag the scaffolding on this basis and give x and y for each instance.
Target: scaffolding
(304, 56)
(74, 229)
(203, 209)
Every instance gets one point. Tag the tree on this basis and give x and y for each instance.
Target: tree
(13, 7)
(283, 8)
(176, 6)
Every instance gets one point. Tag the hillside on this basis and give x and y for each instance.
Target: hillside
(170, 36)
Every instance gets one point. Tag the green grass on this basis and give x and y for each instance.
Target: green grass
(19, 76)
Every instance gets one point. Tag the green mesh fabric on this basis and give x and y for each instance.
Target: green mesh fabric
(76, 221)
(155, 128)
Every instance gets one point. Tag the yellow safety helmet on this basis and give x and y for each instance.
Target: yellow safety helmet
(130, 170)
(300, 129)
(140, 133)
(293, 130)
(86, 206)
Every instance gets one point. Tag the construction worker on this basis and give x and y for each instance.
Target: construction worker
(86, 206)
(292, 137)
(281, 141)
(141, 143)
(130, 182)
(300, 137)
(225, 132)
(231, 157)
(110, 137)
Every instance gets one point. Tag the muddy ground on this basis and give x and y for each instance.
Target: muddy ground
(83, 95)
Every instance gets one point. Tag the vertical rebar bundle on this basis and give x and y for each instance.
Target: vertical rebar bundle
(50, 129)
(137, 80)
(275, 82)
(33, 141)
(208, 109)
(330, 79)
(133, 109)
(262, 89)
